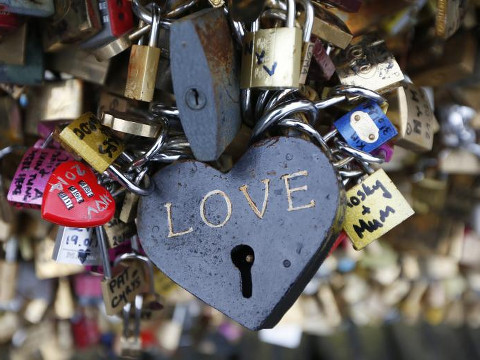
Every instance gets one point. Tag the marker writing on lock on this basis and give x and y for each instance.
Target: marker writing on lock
(123, 285)
(371, 226)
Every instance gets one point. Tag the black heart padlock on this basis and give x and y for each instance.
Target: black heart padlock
(246, 242)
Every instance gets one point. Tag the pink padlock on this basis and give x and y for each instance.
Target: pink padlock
(30, 179)
(385, 151)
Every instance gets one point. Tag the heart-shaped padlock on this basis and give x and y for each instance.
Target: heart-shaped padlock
(74, 198)
(246, 242)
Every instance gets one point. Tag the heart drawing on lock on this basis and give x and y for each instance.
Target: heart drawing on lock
(74, 198)
(246, 242)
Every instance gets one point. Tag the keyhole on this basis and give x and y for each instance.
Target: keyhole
(243, 258)
(195, 93)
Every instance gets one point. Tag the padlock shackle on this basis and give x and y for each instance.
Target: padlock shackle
(114, 172)
(287, 108)
(144, 259)
(291, 13)
(154, 149)
(358, 154)
(153, 40)
(349, 91)
(277, 97)
(102, 242)
(305, 128)
(309, 19)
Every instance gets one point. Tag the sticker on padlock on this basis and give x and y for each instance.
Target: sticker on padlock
(268, 212)
(366, 127)
(266, 64)
(93, 141)
(30, 179)
(45, 266)
(374, 207)
(204, 71)
(76, 246)
(74, 198)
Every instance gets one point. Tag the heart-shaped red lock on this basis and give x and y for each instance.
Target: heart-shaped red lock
(74, 198)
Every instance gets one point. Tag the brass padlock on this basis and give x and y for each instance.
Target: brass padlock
(374, 207)
(330, 28)
(272, 57)
(410, 111)
(93, 141)
(143, 65)
(367, 63)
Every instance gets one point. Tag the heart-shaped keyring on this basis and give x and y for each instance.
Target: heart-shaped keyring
(74, 198)
(246, 242)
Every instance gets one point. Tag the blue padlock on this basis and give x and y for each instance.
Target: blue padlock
(366, 127)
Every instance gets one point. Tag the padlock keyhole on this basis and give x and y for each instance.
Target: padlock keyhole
(243, 258)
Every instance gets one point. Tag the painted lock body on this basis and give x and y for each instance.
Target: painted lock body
(31, 177)
(205, 81)
(246, 242)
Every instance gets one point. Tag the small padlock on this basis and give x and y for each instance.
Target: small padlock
(449, 17)
(130, 124)
(64, 304)
(13, 46)
(31, 177)
(130, 341)
(205, 81)
(118, 232)
(31, 73)
(322, 67)
(367, 63)
(366, 127)
(272, 57)
(142, 68)
(330, 28)
(45, 266)
(410, 111)
(93, 141)
(374, 207)
(71, 24)
(121, 284)
(117, 19)
(76, 246)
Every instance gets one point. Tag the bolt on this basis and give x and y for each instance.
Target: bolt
(356, 117)
(371, 137)
(195, 99)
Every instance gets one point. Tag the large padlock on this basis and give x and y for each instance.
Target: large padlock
(143, 65)
(272, 57)
(205, 81)
(265, 227)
